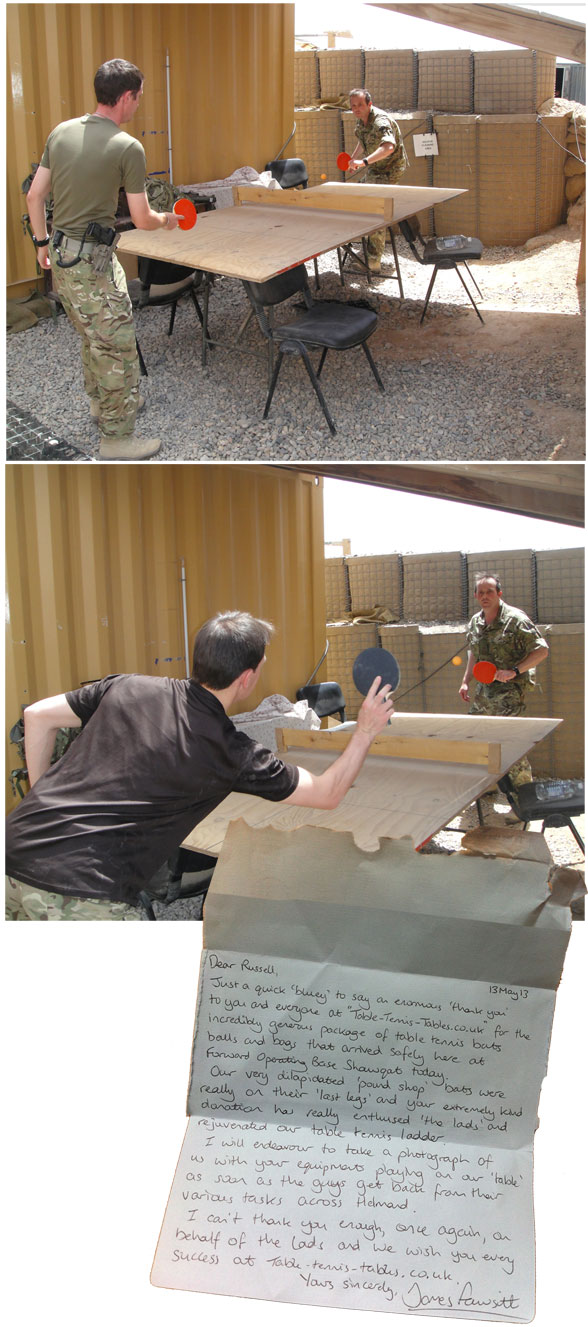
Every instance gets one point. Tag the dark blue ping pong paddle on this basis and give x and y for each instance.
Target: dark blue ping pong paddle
(375, 663)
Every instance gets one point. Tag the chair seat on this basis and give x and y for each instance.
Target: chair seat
(450, 249)
(334, 325)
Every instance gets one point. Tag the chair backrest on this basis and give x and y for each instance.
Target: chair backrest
(279, 288)
(290, 172)
(324, 698)
(153, 272)
(410, 236)
(264, 294)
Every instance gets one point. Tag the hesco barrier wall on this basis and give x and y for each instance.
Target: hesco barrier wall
(517, 574)
(433, 586)
(446, 80)
(432, 596)
(483, 108)
(439, 587)
(560, 585)
(376, 580)
(491, 82)
(391, 77)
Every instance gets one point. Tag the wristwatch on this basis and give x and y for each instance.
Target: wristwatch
(40, 244)
(365, 161)
(515, 670)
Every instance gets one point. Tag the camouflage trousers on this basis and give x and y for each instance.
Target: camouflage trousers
(510, 702)
(98, 305)
(376, 243)
(27, 903)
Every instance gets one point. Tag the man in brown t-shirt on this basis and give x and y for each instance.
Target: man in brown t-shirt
(85, 163)
(154, 757)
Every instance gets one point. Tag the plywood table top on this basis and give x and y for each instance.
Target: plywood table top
(255, 241)
(391, 797)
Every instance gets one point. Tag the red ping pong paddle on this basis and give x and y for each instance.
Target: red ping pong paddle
(343, 160)
(185, 209)
(484, 671)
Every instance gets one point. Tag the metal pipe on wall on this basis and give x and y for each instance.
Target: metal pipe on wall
(169, 132)
(185, 617)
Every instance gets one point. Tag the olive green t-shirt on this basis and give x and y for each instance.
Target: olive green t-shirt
(90, 159)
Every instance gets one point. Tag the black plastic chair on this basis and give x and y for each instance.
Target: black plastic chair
(167, 284)
(324, 698)
(553, 801)
(291, 173)
(186, 875)
(442, 254)
(328, 326)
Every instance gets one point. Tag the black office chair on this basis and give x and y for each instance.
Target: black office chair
(328, 326)
(553, 801)
(324, 698)
(442, 254)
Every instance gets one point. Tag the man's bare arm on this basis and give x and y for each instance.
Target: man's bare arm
(36, 199)
(42, 721)
(326, 791)
(464, 689)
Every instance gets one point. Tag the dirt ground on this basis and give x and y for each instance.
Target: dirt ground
(534, 311)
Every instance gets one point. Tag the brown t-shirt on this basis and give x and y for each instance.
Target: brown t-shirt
(154, 757)
(90, 159)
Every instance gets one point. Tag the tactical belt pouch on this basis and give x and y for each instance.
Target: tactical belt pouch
(104, 240)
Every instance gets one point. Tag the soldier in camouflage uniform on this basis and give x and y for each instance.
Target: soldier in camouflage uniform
(25, 903)
(381, 150)
(85, 163)
(506, 637)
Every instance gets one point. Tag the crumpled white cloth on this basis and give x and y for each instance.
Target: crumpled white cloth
(275, 712)
(223, 189)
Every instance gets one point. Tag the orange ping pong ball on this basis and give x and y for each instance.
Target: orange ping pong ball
(457, 659)
(323, 177)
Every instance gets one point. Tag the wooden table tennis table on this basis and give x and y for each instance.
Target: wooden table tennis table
(269, 231)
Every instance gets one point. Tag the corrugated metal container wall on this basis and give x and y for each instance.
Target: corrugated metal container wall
(231, 78)
(94, 566)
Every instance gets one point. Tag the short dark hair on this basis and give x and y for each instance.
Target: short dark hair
(360, 92)
(226, 646)
(487, 576)
(115, 77)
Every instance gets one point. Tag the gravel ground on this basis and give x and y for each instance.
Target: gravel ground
(509, 390)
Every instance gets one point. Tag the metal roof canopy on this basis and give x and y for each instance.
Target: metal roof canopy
(550, 492)
(520, 27)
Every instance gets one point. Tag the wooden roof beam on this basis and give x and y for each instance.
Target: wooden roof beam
(548, 494)
(536, 31)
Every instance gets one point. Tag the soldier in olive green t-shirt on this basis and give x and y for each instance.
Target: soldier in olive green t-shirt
(85, 163)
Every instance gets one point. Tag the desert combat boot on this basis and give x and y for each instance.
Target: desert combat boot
(128, 449)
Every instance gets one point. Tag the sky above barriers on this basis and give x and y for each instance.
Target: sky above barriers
(371, 27)
(379, 520)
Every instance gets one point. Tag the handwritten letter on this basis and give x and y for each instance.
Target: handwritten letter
(359, 1138)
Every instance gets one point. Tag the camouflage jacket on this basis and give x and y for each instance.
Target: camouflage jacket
(505, 641)
(380, 125)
